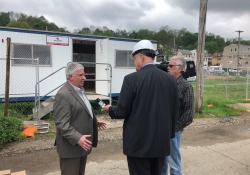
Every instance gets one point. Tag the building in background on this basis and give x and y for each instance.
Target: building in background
(186, 54)
(206, 57)
(216, 59)
(230, 56)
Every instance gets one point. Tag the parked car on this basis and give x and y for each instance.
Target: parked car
(234, 70)
(216, 69)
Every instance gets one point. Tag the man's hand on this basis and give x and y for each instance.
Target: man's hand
(101, 125)
(85, 143)
(106, 108)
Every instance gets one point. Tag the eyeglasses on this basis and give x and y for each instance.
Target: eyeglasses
(171, 65)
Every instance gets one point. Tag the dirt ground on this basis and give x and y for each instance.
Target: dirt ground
(38, 155)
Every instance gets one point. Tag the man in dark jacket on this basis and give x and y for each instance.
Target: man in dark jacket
(148, 103)
(185, 117)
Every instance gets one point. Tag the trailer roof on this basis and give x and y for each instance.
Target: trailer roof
(19, 30)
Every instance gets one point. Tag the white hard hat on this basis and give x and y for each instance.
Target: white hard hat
(141, 45)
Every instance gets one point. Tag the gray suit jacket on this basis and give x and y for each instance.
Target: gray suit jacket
(72, 120)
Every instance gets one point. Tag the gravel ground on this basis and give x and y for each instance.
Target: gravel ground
(111, 133)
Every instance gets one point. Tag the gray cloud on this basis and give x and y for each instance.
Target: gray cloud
(218, 6)
(223, 16)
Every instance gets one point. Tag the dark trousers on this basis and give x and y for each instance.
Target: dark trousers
(145, 166)
(73, 166)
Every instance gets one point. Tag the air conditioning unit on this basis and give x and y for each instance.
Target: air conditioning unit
(246, 62)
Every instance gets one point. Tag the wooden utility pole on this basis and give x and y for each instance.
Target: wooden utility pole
(238, 55)
(7, 82)
(200, 56)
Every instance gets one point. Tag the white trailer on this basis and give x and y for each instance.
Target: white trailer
(54, 50)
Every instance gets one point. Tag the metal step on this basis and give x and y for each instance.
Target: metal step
(43, 128)
(45, 108)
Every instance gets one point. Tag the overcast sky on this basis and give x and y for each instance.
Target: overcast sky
(223, 16)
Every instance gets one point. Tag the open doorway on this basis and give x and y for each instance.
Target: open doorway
(84, 51)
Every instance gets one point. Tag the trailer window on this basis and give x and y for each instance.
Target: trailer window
(43, 52)
(122, 59)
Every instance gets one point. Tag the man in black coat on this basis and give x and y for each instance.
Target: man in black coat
(148, 103)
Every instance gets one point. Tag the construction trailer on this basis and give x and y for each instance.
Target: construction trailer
(106, 61)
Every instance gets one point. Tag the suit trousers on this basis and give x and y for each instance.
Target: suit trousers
(73, 166)
(145, 166)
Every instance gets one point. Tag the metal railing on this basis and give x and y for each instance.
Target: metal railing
(38, 97)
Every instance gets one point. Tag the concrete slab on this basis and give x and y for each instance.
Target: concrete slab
(218, 159)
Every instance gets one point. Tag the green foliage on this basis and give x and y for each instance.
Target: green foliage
(96, 107)
(4, 18)
(85, 31)
(49, 116)
(189, 39)
(211, 47)
(22, 108)
(18, 24)
(222, 94)
(220, 107)
(10, 129)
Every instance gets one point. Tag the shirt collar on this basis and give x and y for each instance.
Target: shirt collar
(77, 89)
(146, 64)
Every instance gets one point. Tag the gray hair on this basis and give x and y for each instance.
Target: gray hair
(181, 61)
(72, 68)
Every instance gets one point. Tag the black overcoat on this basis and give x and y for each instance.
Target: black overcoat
(148, 102)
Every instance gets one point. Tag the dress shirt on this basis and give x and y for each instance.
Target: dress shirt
(80, 92)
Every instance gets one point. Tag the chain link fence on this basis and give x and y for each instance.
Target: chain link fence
(230, 84)
(22, 81)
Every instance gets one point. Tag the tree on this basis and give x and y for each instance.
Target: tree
(38, 23)
(63, 29)
(211, 47)
(209, 37)
(98, 31)
(85, 31)
(19, 24)
(221, 43)
(108, 32)
(133, 34)
(189, 39)
(122, 33)
(189, 47)
(52, 27)
(145, 34)
(4, 18)
(14, 16)
(22, 17)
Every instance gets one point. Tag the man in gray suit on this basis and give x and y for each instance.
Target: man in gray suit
(77, 126)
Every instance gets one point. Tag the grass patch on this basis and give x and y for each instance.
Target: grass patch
(222, 93)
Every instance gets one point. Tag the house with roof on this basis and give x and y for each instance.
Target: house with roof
(205, 58)
(186, 54)
(236, 56)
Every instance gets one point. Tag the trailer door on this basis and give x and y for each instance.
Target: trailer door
(102, 69)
